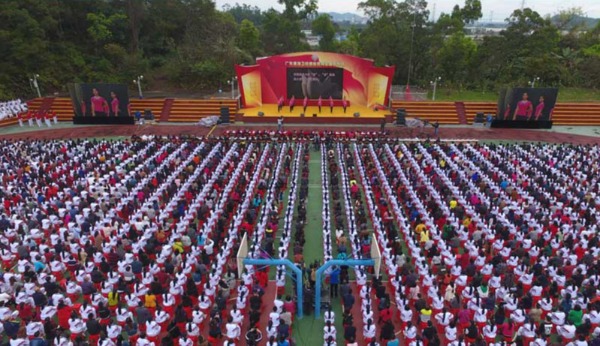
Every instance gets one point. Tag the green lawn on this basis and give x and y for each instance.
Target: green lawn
(564, 95)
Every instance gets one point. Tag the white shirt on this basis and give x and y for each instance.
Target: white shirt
(232, 330)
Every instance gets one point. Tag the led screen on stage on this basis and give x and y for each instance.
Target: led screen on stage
(114, 98)
(527, 104)
(315, 82)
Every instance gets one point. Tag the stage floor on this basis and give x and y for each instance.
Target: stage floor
(312, 115)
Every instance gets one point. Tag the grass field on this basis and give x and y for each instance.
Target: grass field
(564, 95)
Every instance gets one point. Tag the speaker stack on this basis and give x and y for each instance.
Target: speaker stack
(224, 115)
(401, 116)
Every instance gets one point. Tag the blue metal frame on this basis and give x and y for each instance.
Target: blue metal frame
(290, 265)
(321, 270)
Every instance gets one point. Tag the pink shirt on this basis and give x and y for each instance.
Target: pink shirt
(292, 101)
(331, 101)
(320, 101)
(115, 105)
(98, 103)
(524, 108)
(305, 101)
(539, 109)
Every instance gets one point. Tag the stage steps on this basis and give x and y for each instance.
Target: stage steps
(187, 110)
(443, 112)
(166, 110)
(461, 111)
(63, 108)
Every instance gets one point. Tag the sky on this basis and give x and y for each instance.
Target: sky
(494, 9)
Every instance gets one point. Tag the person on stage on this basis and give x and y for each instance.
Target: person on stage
(539, 109)
(114, 104)
(524, 109)
(292, 103)
(280, 104)
(99, 104)
(320, 103)
(305, 103)
(330, 104)
(344, 104)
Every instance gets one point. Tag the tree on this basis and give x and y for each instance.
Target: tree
(569, 19)
(282, 35)
(455, 58)
(393, 28)
(298, 9)
(323, 26)
(471, 11)
(249, 37)
(245, 11)
(351, 44)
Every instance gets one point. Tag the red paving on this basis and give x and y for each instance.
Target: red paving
(402, 132)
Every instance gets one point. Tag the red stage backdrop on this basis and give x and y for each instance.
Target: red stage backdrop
(314, 74)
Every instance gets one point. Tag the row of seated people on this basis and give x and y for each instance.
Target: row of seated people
(101, 241)
(482, 285)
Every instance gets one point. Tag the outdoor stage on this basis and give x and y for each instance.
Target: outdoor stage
(312, 115)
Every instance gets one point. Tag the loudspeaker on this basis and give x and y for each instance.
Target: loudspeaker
(357, 114)
(301, 115)
(261, 114)
(314, 115)
(479, 118)
(224, 115)
(401, 116)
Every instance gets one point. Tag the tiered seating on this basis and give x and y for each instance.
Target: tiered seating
(63, 108)
(187, 110)
(155, 105)
(576, 114)
(35, 103)
(444, 112)
(473, 108)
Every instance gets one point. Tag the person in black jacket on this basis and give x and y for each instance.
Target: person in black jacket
(387, 331)
(350, 333)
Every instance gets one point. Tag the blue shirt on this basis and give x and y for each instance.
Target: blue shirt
(394, 342)
(334, 277)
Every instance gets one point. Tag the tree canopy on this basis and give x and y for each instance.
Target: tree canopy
(190, 44)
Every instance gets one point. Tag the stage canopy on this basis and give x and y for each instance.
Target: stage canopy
(312, 75)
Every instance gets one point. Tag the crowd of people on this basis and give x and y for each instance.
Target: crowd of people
(133, 242)
(501, 240)
(12, 108)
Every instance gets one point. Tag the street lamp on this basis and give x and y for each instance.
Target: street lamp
(435, 83)
(532, 82)
(138, 81)
(232, 83)
(34, 82)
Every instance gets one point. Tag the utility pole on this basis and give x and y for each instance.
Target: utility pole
(34, 82)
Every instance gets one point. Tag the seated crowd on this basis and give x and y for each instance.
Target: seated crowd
(502, 240)
(134, 242)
